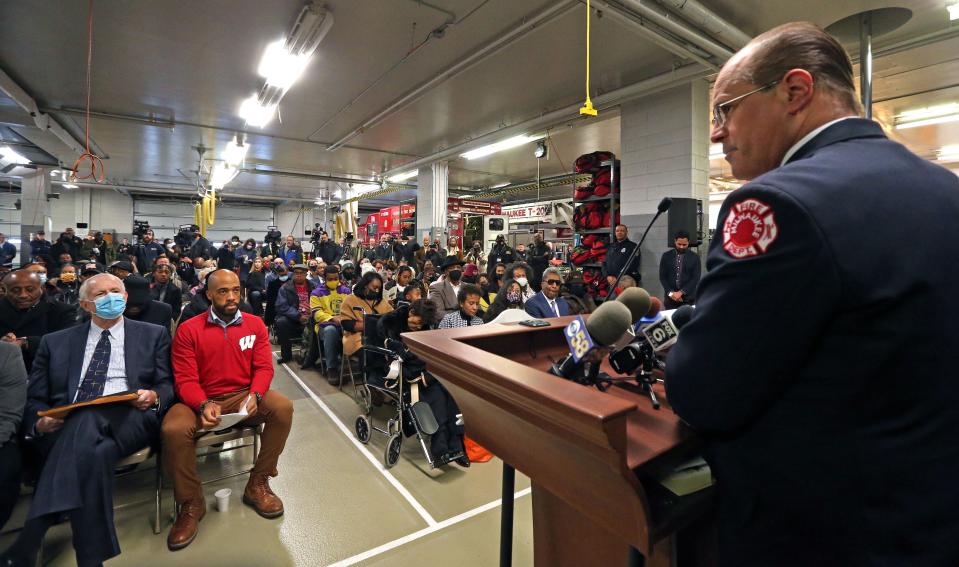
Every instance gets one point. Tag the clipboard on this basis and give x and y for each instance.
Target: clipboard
(62, 411)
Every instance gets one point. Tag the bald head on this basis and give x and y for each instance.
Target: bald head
(223, 291)
(23, 288)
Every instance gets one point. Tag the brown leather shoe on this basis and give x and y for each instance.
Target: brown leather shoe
(259, 495)
(187, 524)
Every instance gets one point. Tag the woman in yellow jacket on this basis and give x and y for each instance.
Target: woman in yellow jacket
(367, 299)
(487, 297)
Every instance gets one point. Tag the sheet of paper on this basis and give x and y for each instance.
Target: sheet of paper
(228, 420)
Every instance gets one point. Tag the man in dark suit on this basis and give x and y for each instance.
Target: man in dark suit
(26, 315)
(679, 271)
(13, 396)
(617, 254)
(443, 292)
(547, 303)
(109, 355)
(820, 364)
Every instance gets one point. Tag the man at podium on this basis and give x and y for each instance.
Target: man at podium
(820, 364)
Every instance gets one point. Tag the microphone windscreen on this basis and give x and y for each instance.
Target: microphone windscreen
(681, 316)
(664, 205)
(608, 323)
(637, 300)
(655, 306)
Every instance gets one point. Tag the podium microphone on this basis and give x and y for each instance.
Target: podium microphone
(603, 328)
(660, 209)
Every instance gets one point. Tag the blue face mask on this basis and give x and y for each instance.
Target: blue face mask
(110, 306)
(284, 277)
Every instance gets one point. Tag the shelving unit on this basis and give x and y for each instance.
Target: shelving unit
(612, 202)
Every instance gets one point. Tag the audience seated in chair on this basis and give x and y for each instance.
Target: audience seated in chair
(547, 303)
(215, 377)
(141, 307)
(292, 310)
(13, 397)
(468, 298)
(367, 299)
(325, 303)
(510, 296)
(446, 444)
(108, 355)
(26, 315)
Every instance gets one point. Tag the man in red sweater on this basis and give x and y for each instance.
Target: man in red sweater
(221, 361)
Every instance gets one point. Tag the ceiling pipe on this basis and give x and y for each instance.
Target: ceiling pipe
(705, 19)
(42, 121)
(182, 190)
(680, 76)
(476, 56)
(171, 124)
(674, 26)
(655, 33)
(310, 176)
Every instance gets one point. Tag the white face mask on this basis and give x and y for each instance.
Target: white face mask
(522, 282)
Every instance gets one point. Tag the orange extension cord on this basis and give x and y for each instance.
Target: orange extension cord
(97, 172)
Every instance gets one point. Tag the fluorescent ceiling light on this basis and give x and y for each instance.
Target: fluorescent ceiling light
(401, 177)
(221, 175)
(928, 116)
(281, 68)
(948, 153)
(234, 153)
(10, 156)
(506, 144)
(953, 11)
(500, 186)
(70, 186)
(716, 151)
(256, 114)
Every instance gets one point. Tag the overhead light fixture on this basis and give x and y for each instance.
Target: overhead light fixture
(256, 114)
(541, 151)
(953, 11)
(401, 177)
(235, 153)
(281, 68)
(507, 144)
(928, 116)
(221, 175)
(716, 151)
(69, 186)
(500, 186)
(8, 156)
(948, 153)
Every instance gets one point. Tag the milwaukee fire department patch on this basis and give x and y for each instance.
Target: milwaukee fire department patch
(750, 229)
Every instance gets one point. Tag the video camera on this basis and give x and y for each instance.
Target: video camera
(316, 233)
(185, 235)
(140, 228)
(273, 236)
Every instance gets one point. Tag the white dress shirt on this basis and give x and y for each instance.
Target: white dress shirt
(117, 371)
(805, 139)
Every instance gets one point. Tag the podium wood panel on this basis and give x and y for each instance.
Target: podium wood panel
(587, 452)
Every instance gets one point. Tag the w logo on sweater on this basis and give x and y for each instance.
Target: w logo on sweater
(247, 342)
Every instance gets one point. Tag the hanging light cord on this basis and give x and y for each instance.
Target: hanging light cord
(587, 109)
(96, 171)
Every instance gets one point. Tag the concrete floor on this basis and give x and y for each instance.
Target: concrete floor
(342, 506)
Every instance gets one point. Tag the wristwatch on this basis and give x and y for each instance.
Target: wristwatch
(259, 398)
(204, 403)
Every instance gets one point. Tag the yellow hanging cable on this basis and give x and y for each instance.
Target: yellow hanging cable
(588, 109)
(211, 212)
(198, 214)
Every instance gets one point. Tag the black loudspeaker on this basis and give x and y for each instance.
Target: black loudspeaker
(686, 214)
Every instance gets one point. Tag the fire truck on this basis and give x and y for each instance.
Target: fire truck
(468, 220)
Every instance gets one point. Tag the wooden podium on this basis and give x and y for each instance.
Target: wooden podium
(591, 455)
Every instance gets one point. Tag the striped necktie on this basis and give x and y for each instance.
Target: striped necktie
(96, 376)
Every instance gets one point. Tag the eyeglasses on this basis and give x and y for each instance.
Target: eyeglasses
(552, 282)
(721, 111)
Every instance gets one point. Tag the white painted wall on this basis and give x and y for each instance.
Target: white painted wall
(101, 209)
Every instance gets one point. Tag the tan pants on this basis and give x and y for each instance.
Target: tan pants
(179, 438)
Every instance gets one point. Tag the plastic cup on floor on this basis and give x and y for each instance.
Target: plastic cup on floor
(223, 499)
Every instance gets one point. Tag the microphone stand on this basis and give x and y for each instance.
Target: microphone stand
(660, 209)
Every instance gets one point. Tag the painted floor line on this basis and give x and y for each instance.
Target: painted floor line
(369, 456)
(424, 532)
